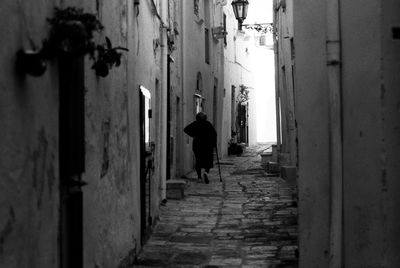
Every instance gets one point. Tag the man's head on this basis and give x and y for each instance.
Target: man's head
(201, 116)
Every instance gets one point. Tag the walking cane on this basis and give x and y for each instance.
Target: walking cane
(219, 166)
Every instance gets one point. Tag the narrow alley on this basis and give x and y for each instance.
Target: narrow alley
(249, 220)
(107, 108)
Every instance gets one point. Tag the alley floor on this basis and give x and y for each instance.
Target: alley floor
(249, 220)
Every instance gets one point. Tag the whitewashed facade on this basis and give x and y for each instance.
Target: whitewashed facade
(346, 109)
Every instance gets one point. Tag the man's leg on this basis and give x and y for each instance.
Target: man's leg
(198, 171)
(206, 175)
(197, 165)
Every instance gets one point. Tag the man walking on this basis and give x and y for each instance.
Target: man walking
(204, 140)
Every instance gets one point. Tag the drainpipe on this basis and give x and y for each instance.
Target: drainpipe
(333, 49)
(169, 60)
(182, 146)
(277, 69)
(168, 170)
(164, 63)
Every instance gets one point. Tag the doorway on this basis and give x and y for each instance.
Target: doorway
(179, 138)
(72, 160)
(215, 103)
(233, 113)
(242, 123)
(146, 162)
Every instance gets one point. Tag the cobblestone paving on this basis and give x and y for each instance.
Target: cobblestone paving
(248, 221)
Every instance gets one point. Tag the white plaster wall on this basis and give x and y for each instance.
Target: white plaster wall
(237, 71)
(112, 202)
(263, 126)
(111, 213)
(29, 191)
(252, 123)
(177, 134)
(29, 179)
(149, 64)
(390, 125)
(371, 131)
(312, 119)
(285, 66)
(264, 94)
(371, 99)
(219, 67)
(193, 62)
(361, 126)
(228, 60)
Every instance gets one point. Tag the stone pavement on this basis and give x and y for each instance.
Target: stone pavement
(248, 221)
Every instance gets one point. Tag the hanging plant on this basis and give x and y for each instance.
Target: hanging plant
(107, 57)
(243, 95)
(71, 33)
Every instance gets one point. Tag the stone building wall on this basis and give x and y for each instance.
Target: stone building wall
(369, 120)
(237, 71)
(112, 197)
(370, 132)
(285, 50)
(30, 208)
(29, 178)
(199, 76)
(313, 132)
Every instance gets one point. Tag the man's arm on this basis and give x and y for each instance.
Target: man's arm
(190, 129)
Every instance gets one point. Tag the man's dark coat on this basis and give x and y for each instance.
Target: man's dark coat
(204, 140)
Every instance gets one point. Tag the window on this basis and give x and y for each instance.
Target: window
(262, 40)
(215, 101)
(207, 16)
(292, 53)
(198, 98)
(196, 7)
(207, 45)
(199, 83)
(225, 40)
(145, 116)
(233, 109)
(198, 104)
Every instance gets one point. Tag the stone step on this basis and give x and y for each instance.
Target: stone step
(176, 189)
(269, 155)
(289, 174)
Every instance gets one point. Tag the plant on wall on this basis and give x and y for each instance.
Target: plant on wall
(243, 95)
(107, 57)
(235, 148)
(71, 35)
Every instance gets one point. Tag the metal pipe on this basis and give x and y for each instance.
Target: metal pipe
(168, 170)
(333, 49)
(161, 17)
(277, 84)
(169, 60)
(164, 63)
(184, 119)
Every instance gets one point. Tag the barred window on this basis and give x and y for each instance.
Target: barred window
(196, 7)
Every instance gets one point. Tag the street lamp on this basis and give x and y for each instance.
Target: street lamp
(240, 10)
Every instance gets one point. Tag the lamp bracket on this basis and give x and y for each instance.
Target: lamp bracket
(261, 27)
(218, 32)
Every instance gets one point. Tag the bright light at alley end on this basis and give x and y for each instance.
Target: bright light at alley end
(240, 9)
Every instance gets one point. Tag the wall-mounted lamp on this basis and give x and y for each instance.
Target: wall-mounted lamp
(240, 9)
(136, 4)
(31, 62)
